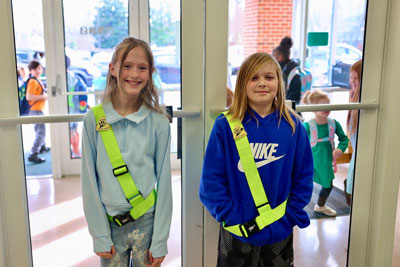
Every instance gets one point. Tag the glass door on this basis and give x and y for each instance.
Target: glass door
(371, 233)
(30, 51)
(262, 34)
(81, 45)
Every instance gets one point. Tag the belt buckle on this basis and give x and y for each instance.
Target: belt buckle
(120, 170)
(251, 228)
(123, 219)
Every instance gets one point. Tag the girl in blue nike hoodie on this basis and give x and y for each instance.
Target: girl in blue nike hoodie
(283, 158)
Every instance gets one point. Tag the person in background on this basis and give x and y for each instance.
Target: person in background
(282, 54)
(37, 96)
(21, 75)
(77, 104)
(352, 122)
(257, 195)
(322, 130)
(126, 169)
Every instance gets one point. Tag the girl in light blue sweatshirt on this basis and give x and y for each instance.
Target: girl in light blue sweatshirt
(128, 205)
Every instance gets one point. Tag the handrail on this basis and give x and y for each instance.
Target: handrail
(320, 107)
(76, 118)
(331, 107)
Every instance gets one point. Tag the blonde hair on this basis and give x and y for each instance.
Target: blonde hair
(250, 66)
(149, 94)
(352, 116)
(229, 96)
(314, 96)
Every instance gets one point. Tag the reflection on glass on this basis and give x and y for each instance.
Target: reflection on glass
(165, 44)
(235, 40)
(344, 21)
(165, 41)
(29, 44)
(91, 33)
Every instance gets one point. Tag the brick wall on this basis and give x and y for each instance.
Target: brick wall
(266, 22)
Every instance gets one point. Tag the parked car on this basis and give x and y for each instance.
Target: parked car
(168, 67)
(341, 75)
(81, 64)
(346, 55)
(101, 60)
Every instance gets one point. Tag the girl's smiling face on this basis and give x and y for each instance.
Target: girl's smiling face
(354, 82)
(134, 74)
(322, 114)
(262, 89)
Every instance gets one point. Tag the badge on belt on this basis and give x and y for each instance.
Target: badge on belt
(238, 132)
(102, 125)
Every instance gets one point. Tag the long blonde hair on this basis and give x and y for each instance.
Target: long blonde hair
(352, 116)
(250, 66)
(149, 94)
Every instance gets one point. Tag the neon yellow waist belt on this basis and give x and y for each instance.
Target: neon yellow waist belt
(140, 205)
(267, 215)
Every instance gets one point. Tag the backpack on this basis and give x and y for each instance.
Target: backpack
(77, 103)
(331, 138)
(24, 106)
(305, 79)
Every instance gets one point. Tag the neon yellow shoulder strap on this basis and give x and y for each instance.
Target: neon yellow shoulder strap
(120, 169)
(267, 214)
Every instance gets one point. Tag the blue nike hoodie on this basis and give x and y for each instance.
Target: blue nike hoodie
(284, 161)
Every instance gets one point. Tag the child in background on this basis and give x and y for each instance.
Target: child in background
(21, 74)
(37, 97)
(126, 176)
(77, 104)
(257, 195)
(321, 130)
(352, 122)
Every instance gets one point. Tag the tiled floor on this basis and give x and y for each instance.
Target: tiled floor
(60, 237)
(59, 231)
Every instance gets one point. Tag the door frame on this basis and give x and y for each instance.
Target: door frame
(53, 23)
(377, 170)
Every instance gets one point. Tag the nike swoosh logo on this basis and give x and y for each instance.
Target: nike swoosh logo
(260, 163)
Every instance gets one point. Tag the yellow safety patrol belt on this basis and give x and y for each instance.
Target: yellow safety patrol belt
(267, 214)
(139, 204)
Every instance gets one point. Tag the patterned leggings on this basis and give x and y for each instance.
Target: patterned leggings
(132, 242)
(235, 253)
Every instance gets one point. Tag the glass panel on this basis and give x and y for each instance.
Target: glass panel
(324, 242)
(91, 33)
(29, 44)
(320, 20)
(165, 43)
(235, 40)
(330, 64)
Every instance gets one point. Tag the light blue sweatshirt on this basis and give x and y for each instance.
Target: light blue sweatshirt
(144, 141)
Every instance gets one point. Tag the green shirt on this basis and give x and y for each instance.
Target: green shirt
(322, 153)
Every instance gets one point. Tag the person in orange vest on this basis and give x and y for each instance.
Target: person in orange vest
(37, 96)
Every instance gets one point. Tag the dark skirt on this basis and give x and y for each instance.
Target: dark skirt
(235, 253)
